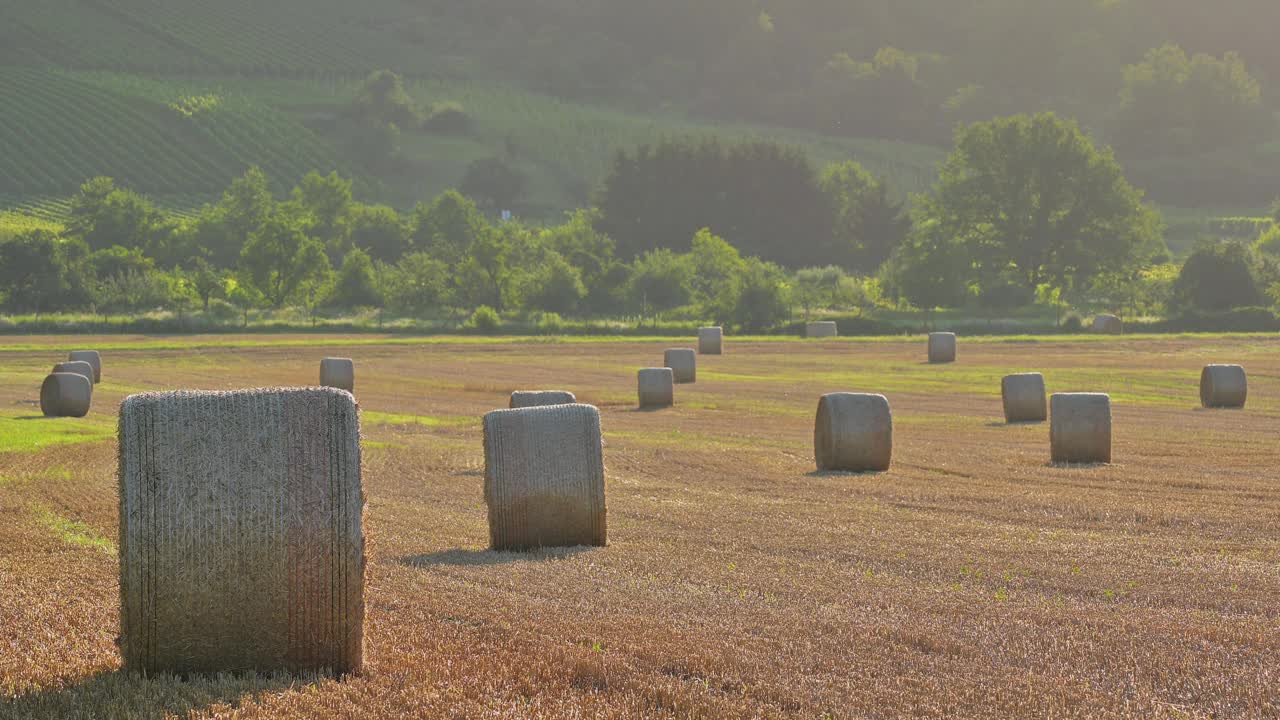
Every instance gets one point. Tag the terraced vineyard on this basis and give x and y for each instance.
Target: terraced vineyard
(68, 128)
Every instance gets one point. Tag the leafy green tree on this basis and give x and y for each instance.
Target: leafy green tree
(660, 280)
(552, 285)
(868, 224)
(244, 296)
(206, 282)
(715, 265)
(133, 291)
(485, 276)
(761, 297)
(417, 285)
(379, 231)
(493, 183)
(325, 205)
(42, 272)
(383, 99)
(447, 227)
(104, 215)
(356, 284)
(930, 270)
(280, 260)
(592, 253)
(1221, 276)
(1033, 197)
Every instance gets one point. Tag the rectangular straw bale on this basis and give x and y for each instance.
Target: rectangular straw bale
(821, 329)
(241, 540)
(544, 477)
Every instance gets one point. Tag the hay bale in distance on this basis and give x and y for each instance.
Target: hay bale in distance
(683, 363)
(656, 388)
(1108, 325)
(78, 367)
(1080, 427)
(942, 347)
(541, 398)
(544, 477)
(711, 341)
(338, 373)
(1223, 386)
(241, 540)
(90, 356)
(821, 329)
(66, 394)
(1024, 398)
(853, 432)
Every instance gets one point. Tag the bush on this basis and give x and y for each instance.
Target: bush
(484, 319)
(449, 118)
(548, 323)
(1072, 323)
(1245, 319)
(222, 311)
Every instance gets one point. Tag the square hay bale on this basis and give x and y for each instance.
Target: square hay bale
(79, 367)
(338, 373)
(544, 477)
(66, 395)
(90, 356)
(821, 329)
(942, 347)
(853, 432)
(541, 398)
(683, 363)
(241, 540)
(711, 341)
(656, 388)
(1108, 325)
(1223, 386)
(1080, 428)
(1024, 398)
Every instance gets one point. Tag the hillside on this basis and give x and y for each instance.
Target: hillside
(176, 97)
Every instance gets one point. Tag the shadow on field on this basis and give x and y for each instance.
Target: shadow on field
(1019, 423)
(116, 693)
(843, 473)
(459, 556)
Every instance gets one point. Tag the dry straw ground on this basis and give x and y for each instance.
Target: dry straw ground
(972, 580)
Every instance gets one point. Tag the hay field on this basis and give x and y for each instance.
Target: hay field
(972, 580)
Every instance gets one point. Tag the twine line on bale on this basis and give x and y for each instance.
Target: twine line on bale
(544, 477)
(821, 329)
(541, 398)
(853, 432)
(1223, 386)
(79, 367)
(942, 347)
(711, 341)
(338, 373)
(1080, 428)
(241, 540)
(656, 388)
(683, 363)
(1108, 325)
(1023, 396)
(66, 395)
(90, 356)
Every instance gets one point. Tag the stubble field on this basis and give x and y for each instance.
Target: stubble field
(972, 580)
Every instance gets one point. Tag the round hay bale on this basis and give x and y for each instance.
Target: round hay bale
(66, 394)
(656, 388)
(1223, 386)
(942, 347)
(338, 373)
(1080, 427)
(541, 398)
(853, 433)
(683, 363)
(821, 329)
(1024, 398)
(78, 367)
(544, 477)
(241, 531)
(711, 341)
(1108, 325)
(93, 358)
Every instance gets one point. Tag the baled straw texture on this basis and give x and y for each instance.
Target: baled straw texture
(1024, 398)
(338, 373)
(1108, 325)
(821, 329)
(541, 398)
(92, 357)
(544, 477)
(656, 388)
(942, 347)
(66, 395)
(1080, 428)
(683, 363)
(853, 432)
(79, 367)
(711, 341)
(1223, 386)
(241, 541)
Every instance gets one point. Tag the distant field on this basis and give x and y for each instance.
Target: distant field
(972, 580)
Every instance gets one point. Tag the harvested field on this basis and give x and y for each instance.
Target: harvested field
(972, 580)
